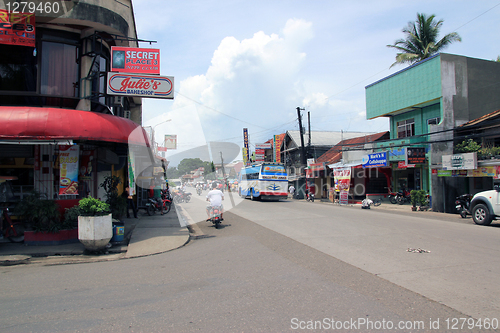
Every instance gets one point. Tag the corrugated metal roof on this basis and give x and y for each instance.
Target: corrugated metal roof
(480, 119)
(326, 138)
(335, 153)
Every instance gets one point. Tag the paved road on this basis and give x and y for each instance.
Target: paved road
(461, 270)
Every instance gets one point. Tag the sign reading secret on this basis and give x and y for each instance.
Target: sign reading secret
(135, 60)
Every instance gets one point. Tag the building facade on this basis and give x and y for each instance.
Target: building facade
(55, 116)
(425, 103)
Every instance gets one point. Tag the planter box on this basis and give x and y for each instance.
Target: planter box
(95, 232)
(51, 238)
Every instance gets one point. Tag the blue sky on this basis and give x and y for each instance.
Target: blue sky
(249, 64)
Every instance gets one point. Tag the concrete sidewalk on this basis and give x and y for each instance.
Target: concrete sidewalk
(145, 235)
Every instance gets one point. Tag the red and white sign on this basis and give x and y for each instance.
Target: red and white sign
(263, 146)
(17, 28)
(135, 60)
(140, 85)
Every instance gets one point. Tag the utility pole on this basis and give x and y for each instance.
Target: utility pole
(303, 148)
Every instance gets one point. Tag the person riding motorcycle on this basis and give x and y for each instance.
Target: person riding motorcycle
(215, 196)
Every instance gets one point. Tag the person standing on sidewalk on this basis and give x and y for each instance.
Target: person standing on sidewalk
(130, 202)
(291, 189)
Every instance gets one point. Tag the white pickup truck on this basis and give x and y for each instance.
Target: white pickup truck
(485, 206)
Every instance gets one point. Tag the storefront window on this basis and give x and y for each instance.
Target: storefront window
(59, 71)
(18, 68)
(406, 128)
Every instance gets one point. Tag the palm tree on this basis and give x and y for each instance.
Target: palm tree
(421, 40)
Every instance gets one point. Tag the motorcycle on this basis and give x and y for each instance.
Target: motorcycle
(215, 216)
(153, 205)
(198, 190)
(403, 196)
(310, 197)
(462, 204)
(181, 197)
(393, 197)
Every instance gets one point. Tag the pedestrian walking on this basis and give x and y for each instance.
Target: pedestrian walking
(291, 189)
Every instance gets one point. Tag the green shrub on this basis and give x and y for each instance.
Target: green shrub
(41, 215)
(93, 207)
(71, 217)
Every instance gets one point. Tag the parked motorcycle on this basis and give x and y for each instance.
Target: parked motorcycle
(310, 197)
(153, 205)
(393, 197)
(403, 196)
(215, 216)
(181, 196)
(462, 204)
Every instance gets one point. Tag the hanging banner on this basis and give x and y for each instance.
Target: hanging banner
(277, 147)
(135, 60)
(131, 172)
(17, 28)
(244, 154)
(342, 178)
(246, 157)
(68, 170)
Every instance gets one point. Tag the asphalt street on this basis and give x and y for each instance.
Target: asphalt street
(247, 277)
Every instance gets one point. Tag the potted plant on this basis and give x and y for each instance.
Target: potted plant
(415, 199)
(95, 227)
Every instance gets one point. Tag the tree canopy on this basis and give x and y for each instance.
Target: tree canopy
(421, 40)
(186, 166)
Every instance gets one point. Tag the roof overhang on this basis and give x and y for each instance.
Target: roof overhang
(53, 124)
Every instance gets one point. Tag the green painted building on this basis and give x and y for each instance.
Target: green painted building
(425, 103)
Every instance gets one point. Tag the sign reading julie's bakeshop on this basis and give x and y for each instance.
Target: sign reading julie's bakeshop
(153, 86)
(135, 60)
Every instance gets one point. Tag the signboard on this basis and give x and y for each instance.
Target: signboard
(170, 141)
(263, 145)
(466, 161)
(135, 60)
(17, 28)
(131, 172)
(244, 154)
(415, 155)
(68, 170)
(403, 165)
(277, 139)
(121, 84)
(342, 178)
(374, 160)
(246, 157)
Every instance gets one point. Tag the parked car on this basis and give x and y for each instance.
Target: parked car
(484, 206)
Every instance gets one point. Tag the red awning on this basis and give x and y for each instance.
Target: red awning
(32, 123)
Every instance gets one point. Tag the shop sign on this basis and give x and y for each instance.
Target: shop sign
(444, 173)
(170, 141)
(120, 84)
(317, 166)
(396, 154)
(277, 140)
(415, 155)
(342, 178)
(260, 151)
(131, 172)
(263, 145)
(68, 170)
(488, 171)
(466, 161)
(135, 60)
(403, 165)
(246, 156)
(374, 160)
(17, 28)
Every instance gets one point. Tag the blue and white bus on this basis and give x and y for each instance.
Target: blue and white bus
(266, 180)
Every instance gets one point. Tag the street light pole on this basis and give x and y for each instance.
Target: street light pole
(153, 130)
